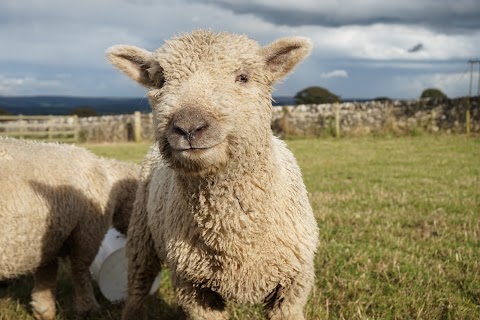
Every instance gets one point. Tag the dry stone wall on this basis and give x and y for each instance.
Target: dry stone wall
(377, 117)
(114, 128)
(345, 119)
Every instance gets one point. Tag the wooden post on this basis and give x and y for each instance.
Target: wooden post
(49, 127)
(467, 118)
(467, 111)
(22, 125)
(137, 126)
(76, 128)
(433, 120)
(337, 120)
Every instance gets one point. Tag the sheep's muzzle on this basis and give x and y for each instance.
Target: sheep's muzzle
(193, 129)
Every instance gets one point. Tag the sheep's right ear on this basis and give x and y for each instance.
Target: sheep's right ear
(138, 64)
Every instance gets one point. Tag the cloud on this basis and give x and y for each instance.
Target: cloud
(46, 38)
(461, 14)
(334, 74)
(51, 35)
(25, 85)
(453, 84)
(416, 48)
(388, 42)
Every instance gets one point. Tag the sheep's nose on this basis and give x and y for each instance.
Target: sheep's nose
(190, 123)
(189, 130)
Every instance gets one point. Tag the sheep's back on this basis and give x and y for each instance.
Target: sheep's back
(46, 191)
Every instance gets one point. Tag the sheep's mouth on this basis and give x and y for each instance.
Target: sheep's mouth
(196, 160)
(195, 153)
(193, 149)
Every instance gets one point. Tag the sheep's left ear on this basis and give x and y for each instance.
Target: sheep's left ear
(282, 55)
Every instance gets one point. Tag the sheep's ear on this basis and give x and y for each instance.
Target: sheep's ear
(282, 55)
(137, 64)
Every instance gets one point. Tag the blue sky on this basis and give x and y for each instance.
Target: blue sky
(363, 49)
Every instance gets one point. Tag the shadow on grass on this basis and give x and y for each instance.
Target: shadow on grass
(18, 289)
(15, 301)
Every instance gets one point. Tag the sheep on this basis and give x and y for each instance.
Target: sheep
(58, 200)
(221, 201)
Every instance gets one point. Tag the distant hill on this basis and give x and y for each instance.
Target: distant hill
(60, 105)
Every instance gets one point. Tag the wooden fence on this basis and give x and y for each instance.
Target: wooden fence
(40, 127)
(73, 129)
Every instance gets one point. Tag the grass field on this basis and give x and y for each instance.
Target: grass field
(399, 221)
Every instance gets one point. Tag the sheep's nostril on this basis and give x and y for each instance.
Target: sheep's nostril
(189, 133)
(199, 128)
(179, 130)
(193, 133)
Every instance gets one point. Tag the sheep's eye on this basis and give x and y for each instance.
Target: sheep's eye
(242, 78)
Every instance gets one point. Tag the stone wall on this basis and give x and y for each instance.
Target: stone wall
(114, 128)
(377, 117)
(345, 119)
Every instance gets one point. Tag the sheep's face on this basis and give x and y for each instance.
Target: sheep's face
(210, 94)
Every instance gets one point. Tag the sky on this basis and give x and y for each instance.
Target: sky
(362, 49)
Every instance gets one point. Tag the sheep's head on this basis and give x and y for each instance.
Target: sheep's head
(210, 94)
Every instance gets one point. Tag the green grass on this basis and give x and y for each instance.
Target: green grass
(399, 221)
(133, 152)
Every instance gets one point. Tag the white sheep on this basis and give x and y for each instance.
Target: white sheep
(221, 201)
(58, 200)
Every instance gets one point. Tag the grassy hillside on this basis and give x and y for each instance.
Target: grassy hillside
(400, 232)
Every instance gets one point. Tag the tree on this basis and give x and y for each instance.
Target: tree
(84, 111)
(315, 95)
(4, 112)
(382, 99)
(433, 93)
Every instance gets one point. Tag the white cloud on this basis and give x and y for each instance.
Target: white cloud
(334, 74)
(78, 33)
(26, 85)
(66, 36)
(452, 84)
(392, 42)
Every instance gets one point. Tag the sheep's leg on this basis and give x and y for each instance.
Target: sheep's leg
(83, 249)
(143, 262)
(140, 280)
(287, 302)
(43, 293)
(199, 303)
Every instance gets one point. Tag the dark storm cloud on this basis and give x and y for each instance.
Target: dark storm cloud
(446, 15)
(416, 48)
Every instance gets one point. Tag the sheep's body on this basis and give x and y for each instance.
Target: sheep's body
(242, 234)
(220, 201)
(58, 200)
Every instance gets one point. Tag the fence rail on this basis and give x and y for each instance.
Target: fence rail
(109, 128)
(22, 126)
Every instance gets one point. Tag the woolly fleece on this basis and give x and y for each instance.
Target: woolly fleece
(221, 201)
(58, 200)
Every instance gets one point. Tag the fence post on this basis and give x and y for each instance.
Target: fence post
(137, 126)
(434, 122)
(76, 128)
(22, 125)
(49, 129)
(467, 117)
(337, 120)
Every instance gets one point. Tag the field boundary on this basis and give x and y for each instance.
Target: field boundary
(47, 127)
